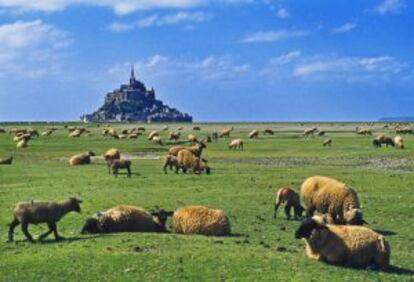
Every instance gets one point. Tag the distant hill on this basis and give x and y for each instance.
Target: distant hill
(396, 119)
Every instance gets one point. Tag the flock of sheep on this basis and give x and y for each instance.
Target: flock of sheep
(334, 236)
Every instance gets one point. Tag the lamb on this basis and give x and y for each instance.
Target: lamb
(125, 218)
(352, 246)
(186, 160)
(254, 134)
(115, 165)
(196, 149)
(192, 138)
(81, 159)
(327, 195)
(112, 154)
(327, 142)
(153, 134)
(156, 140)
(236, 144)
(225, 132)
(200, 220)
(171, 162)
(6, 161)
(26, 213)
(268, 131)
(399, 142)
(290, 198)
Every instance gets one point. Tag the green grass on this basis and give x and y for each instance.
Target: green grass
(242, 183)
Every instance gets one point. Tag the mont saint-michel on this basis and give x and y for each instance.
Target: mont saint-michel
(134, 102)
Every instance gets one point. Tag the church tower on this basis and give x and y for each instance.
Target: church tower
(132, 79)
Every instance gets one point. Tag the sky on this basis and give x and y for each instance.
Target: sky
(219, 60)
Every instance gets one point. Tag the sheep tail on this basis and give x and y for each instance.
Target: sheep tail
(383, 246)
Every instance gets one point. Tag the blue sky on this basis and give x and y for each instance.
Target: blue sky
(219, 60)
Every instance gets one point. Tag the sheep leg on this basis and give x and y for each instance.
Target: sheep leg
(26, 233)
(55, 232)
(12, 226)
(276, 208)
(287, 211)
(44, 235)
(129, 171)
(165, 167)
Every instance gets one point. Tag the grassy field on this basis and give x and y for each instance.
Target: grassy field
(242, 183)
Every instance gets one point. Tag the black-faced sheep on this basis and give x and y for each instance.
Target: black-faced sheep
(6, 161)
(268, 131)
(200, 220)
(382, 139)
(254, 134)
(125, 218)
(327, 195)
(26, 213)
(352, 246)
(81, 159)
(236, 144)
(115, 165)
(290, 198)
(188, 161)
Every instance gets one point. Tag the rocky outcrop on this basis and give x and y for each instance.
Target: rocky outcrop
(134, 102)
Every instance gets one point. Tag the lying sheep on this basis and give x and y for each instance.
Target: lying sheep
(6, 161)
(399, 142)
(236, 144)
(200, 220)
(327, 195)
(126, 219)
(290, 198)
(196, 149)
(115, 165)
(254, 134)
(81, 159)
(187, 161)
(26, 213)
(152, 135)
(112, 154)
(327, 142)
(268, 131)
(353, 246)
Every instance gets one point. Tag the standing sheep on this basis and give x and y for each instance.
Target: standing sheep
(254, 134)
(171, 162)
(310, 131)
(187, 161)
(152, 135)
(156, 140)
(196, 149)
(268, 131)
(26, 213)
(125, 218)
(115, 165)
(290, 198)
(236, 144)
(327, 142)
(225, 132)
(112, 154)
(200, 220)
(353, 246)
(399, 142)
(327, 195)
(81, 159)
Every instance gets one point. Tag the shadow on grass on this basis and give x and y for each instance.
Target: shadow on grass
(73, 239)
(399, 270)
(385, 232)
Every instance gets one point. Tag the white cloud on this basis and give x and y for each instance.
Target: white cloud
(272, 35)
(286, 58)
(389, 7)
(283, 14)
(120, 27)
(344, 28)
(30, 48)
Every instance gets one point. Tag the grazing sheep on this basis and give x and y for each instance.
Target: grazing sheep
(76, 133)
(81, 159)
(112, 154)
(141, 128)
(382, 139)
(186, 160)
(115, 165)
(153, 134)
(26, 213)
(156, 140)
(125, 218)
(321, 133)
(327, 195)
(33, 132)
(6, 161)
(376, 143)
(125, 131)
(327, 142)
(215, 136)
(165, 128)
(47, 133)
(174, 136)
(196, 149)
(132, 136)
(268, 131)
(236, 144)
(352, 246)
(207, 139)
(290, 198)
(363, 131)
(180, 128)
(192, 138)
(399, 142)
(24, 136)
(403, 130)
(225, 132)
(254, 134)
(200, 220)
(196, 128)
(171, 162)
(2, 130)
(22, 144)
(310, 131)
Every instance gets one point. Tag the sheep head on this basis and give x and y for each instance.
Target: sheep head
(161, 217)
(91, 226)
(307, 226)
(75, 204)
(354, 217)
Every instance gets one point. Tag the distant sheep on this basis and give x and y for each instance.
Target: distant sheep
(125, 218)
(81, 159)
(165, 128)
(22, 144)
(382, 139)
(47, 133)
(363, 131)
(141, 128)
(112, 154)
(290, 198)
(200, 220)
(225, 132)
(174, 136)
(352, 246)
(153, 134)
(327, 195)
(399, 142)
(187, 161)
(327, 142)
(171, 162)
(196, 149)
(321, 133)
(268, 131)
(254, 134)
(310, 131)
(157, 140)
(2, 130)
(26, 213)
(192, 138)
(6, 161)
(115, 165)
(196, 128)
(236, 144)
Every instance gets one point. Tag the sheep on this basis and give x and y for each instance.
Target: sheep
(21, 144)
(225, 132)
(76, 133)
(196, 128)
(290, 198)
(352, 246)
(165, 128)
(125, 218)
(321, 133)
(141, 128)
(399, 142)
(180, 128)
(215, 136)
(327, 142)
(187, 160)
(200, 220)
(328, 195)
(268, 131)
(6, 161)
(376, 143)
(363, 131)
(156, 140)
(403, 130)
(196, 149)
(20, 137)
(382, 139)
(236, 144)
(174, 136)
(254, 134)
(2, 130)
(171, 162)
(192, 138)
(207, 139)
(125, 131)
(310, 131)
(81, 159)
(32, 212)
(152, 135)
(115, 165)
(33, 132)
(112, 154)
(47, 132)
(132, 136)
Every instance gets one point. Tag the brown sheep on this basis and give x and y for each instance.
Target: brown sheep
(187, 161)
(126, 219)
(196, 149)
(200, 220)
(225, 132)
(192, 138)
(6, 161)
(254, 134)
(81, 159)
(327, 142)
(115, 165)
(290, 198)
(112, 154)
(268, 131)
(327, 195)
(352, 246)
(236, 144)
(171, 162)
